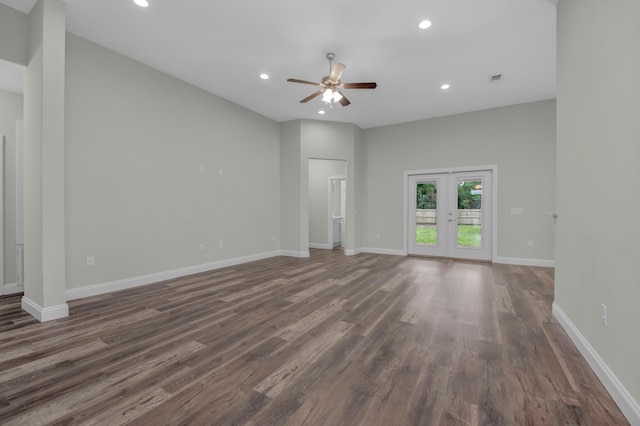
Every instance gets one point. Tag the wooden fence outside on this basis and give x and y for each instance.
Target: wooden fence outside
(465, 217)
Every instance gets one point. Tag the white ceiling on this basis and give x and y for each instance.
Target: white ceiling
(222, 47)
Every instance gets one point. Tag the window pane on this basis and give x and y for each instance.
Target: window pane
(469, 218)
(427, 213)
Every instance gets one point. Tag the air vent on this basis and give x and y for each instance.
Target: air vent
(495, 78)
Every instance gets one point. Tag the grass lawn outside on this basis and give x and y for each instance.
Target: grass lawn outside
(468, 235)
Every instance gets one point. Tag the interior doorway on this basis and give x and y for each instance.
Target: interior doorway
(450, 214)
(327, 203)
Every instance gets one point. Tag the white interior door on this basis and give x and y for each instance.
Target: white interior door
(449, 214)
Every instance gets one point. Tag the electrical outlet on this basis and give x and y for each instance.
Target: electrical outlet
(91, 261)
(530, 243)
(377, 236)
(202, 246)
(220, 244)
(603, 314)
(273, 238)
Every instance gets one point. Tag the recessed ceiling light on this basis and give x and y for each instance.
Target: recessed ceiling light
(445, 86)
(424, 24)
(141, 3)
(321, 112)
(264, 76)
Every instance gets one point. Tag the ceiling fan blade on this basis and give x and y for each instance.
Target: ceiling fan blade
(336, 72)
(308, 98)
(359, 85)
(344, 101)
(295, 80)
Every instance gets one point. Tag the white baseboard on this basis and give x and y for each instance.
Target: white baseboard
(108, 287)
(292, 253)
(44, 314)
(505, 260)
(352, 252)
(525, 262)
(323, 246)
(629, 406)
(13, 288)
(377, 250)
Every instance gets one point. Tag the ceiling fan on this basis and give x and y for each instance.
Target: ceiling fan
(331, 84)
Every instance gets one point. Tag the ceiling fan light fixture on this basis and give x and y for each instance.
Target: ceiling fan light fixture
(141, 3)
(423, 25)
(337, 96)
(327, 96)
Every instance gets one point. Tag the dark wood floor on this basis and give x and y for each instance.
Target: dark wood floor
(330, 340)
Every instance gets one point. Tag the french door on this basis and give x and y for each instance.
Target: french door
(449, 214)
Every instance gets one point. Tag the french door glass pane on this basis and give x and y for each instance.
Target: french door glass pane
(427, 213)
(469, 217)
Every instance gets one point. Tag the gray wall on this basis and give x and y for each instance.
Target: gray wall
(10, 111)
(302, 140)
(597, 154)
(290, 189)
(14, 33)
(519, 139)
(44, 198)
(337, 141)
(136, 200)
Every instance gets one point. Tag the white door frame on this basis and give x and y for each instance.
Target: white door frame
(1, 214)
(19, 207)
(494, 202)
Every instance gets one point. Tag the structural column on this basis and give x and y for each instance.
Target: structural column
(44, 200)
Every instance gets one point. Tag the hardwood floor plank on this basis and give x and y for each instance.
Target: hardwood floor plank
(312, 320)
(42, 363)
(331, 339)
(276, 381)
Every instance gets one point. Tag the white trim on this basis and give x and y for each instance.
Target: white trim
(378, 250)
(352, 252)
(19, 181)
(44, 314)
(126, 283)
(1, 213)
(13, 288)
(525, 262)
(320, 246)
(503, 260)
(20, 203)
(292, 253)
(494, 212)
(629, 407)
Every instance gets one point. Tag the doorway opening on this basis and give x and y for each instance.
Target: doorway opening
(327, 203)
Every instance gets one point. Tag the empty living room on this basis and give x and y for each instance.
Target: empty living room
(348, 213)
